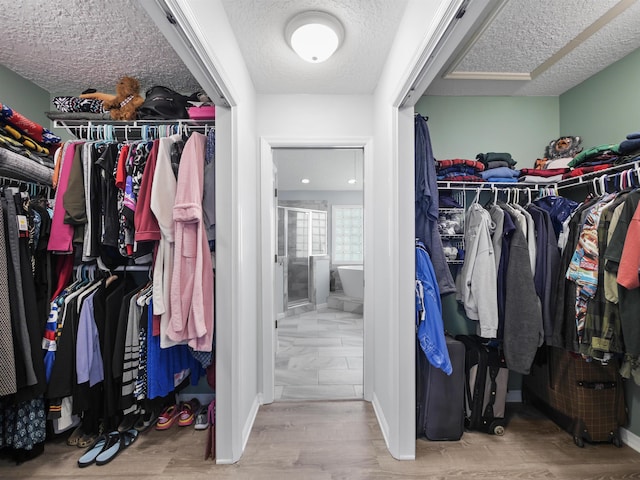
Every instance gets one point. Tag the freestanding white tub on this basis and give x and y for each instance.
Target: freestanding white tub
(352, 279)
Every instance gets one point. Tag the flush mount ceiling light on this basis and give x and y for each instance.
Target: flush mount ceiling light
(305, 180)
(314, 36)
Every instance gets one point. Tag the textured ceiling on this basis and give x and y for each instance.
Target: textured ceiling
(67, 46)
(370, 27)
(546, 47)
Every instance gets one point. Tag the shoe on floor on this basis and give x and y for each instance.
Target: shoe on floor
(168, 417)
(128, 421)
(188, 412)
(75, 436)
(146, 420)
(89, 456)
(201, 421)
(116, 443)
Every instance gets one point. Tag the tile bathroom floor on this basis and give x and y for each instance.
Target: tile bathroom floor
(319, 356)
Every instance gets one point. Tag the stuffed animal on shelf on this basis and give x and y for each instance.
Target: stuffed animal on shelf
(124, 104)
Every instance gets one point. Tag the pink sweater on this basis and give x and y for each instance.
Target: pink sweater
(192, 279)
(61, 237)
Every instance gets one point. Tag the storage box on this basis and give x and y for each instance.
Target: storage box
(204, 112)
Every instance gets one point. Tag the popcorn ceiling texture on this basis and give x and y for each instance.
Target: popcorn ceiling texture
(525, 34)
(67, 46)
(519, 28)
(370, 27)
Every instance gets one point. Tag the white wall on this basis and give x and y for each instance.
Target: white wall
(391, 282)
(314, 116)
(311, 121)
(237, 296)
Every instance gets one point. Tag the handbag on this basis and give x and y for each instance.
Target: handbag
(162, 103)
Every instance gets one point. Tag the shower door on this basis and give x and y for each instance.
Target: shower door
(298, 256)
(302, 233)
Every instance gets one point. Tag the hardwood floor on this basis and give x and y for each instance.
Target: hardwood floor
(341, 440)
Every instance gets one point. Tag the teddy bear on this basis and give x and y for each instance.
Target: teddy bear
(124, 104)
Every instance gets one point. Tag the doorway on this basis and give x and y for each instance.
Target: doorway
(319, 287)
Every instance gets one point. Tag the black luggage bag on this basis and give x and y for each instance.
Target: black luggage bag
(487, 377)
(440, 397)
(584, 398)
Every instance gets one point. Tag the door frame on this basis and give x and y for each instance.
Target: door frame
(268, 251)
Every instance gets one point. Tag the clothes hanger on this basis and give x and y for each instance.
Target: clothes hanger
(476, 199)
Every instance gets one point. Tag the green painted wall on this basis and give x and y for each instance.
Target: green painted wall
(604, 109)
(24, 96)
(462, 127)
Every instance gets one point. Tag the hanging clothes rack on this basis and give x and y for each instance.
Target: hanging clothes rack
(611, 172)
(134, 130)
(32, 188)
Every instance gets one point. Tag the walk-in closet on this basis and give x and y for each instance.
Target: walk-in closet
(142, 287)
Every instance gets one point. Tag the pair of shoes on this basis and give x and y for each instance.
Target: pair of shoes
(168, 417)
(146, 420)
(188, 412)
(107, 447)
(202, 422)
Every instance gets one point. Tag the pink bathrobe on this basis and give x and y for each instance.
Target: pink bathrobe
(192, 279)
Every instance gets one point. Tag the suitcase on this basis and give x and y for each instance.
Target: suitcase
(440, 397)
(584, 398)
(487, 377)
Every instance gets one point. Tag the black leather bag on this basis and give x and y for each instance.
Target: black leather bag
(162, 103)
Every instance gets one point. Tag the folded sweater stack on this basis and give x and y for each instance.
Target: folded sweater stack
(459, 170)
(499, 167)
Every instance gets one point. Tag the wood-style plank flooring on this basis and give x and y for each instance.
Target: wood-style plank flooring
(342, 440)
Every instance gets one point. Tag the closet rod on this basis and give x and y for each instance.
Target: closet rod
(587, 177)
(490, 186)
(136, 129)
(58, 123)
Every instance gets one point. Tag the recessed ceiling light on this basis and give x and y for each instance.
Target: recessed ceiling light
(352, 181)
(305, 180)
(314, 36)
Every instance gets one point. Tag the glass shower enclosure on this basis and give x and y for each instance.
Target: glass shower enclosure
(302, 233)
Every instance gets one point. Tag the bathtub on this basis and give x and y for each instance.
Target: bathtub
(352, 279)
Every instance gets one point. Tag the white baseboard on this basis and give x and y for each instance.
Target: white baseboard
(382, 421)
(630, 439)
(251, 418)
(514, 396)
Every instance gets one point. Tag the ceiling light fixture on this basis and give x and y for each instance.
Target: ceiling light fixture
(305, 180)
(314, 36)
